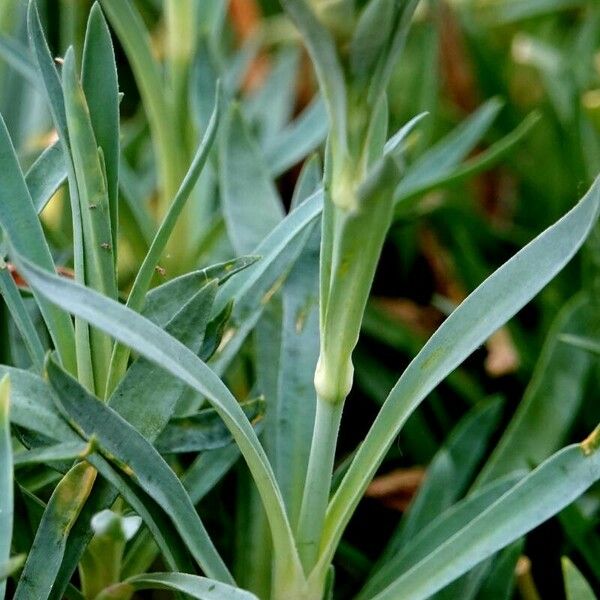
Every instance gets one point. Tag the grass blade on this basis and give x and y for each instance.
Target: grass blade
(144, 276)
(551, 400)
(94, 206)
(21, 317)
(576, 586)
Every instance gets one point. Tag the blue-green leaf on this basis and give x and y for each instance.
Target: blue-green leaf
(6, 478)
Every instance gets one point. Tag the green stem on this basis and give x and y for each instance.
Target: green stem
(318, 480)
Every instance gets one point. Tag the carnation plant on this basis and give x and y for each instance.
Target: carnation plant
(116, 420)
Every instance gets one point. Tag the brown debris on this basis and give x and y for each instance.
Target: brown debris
(397, 488)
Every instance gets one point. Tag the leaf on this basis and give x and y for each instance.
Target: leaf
(55, 97)
(142, 281)
(46, 175)
(21, 317)
(370, 37)
(137, 458)
(440, 528)
(500, 581)
(101, 89)
(487, 308)
(164, 301)
(135, 39)
(205, 472)
(197, 587)
(98, 249)
(66, 451)
(203, 431)
(449, 473)
(448, 152)
(388, 58)
(551, 400)
(18, 58)
(579, 341)
(303, 135)
(48, 547)
(147, 397)
(576, 587)
(536, 498)
(32, 406)
(321, 48)
(294, 414)
(6, 478)
(10, 567)
(20, 222)
(250, 202)
(405, 199)
(152, 342)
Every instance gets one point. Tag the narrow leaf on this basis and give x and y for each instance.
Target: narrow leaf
(46, 175)
(539, 496)
(494, 302)
(197, 587)
(251, 204)
(48, 547)
(6, 478)
(576, 586)
(20, 222)
(127, 448)
(101, 89)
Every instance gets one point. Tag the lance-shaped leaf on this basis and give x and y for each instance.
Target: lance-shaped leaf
(155, 344)
(494, 302)
(551, 400)
(576, 586)
(204, 430)
(137, 458)
(48, 547)
(32, 407)
(196, 587)
(146, 397)
(539, 496)
(66, 451)
(321, 46)
(251, 204)
(46, 175)
(6, 478)
(436, 533)
(164, 301)
(20, 222)
(14, 302)
(98, 249)
(101, 88)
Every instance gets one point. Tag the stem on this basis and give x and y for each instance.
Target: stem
(318, 480)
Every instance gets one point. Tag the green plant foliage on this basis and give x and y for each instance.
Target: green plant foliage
(299, 299)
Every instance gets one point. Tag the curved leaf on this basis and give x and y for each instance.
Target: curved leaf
(6, 478)
(48, 547)
(495, 301)
(539, 496)
(197, 587)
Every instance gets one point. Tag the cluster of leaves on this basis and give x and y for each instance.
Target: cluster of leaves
(124, 314)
